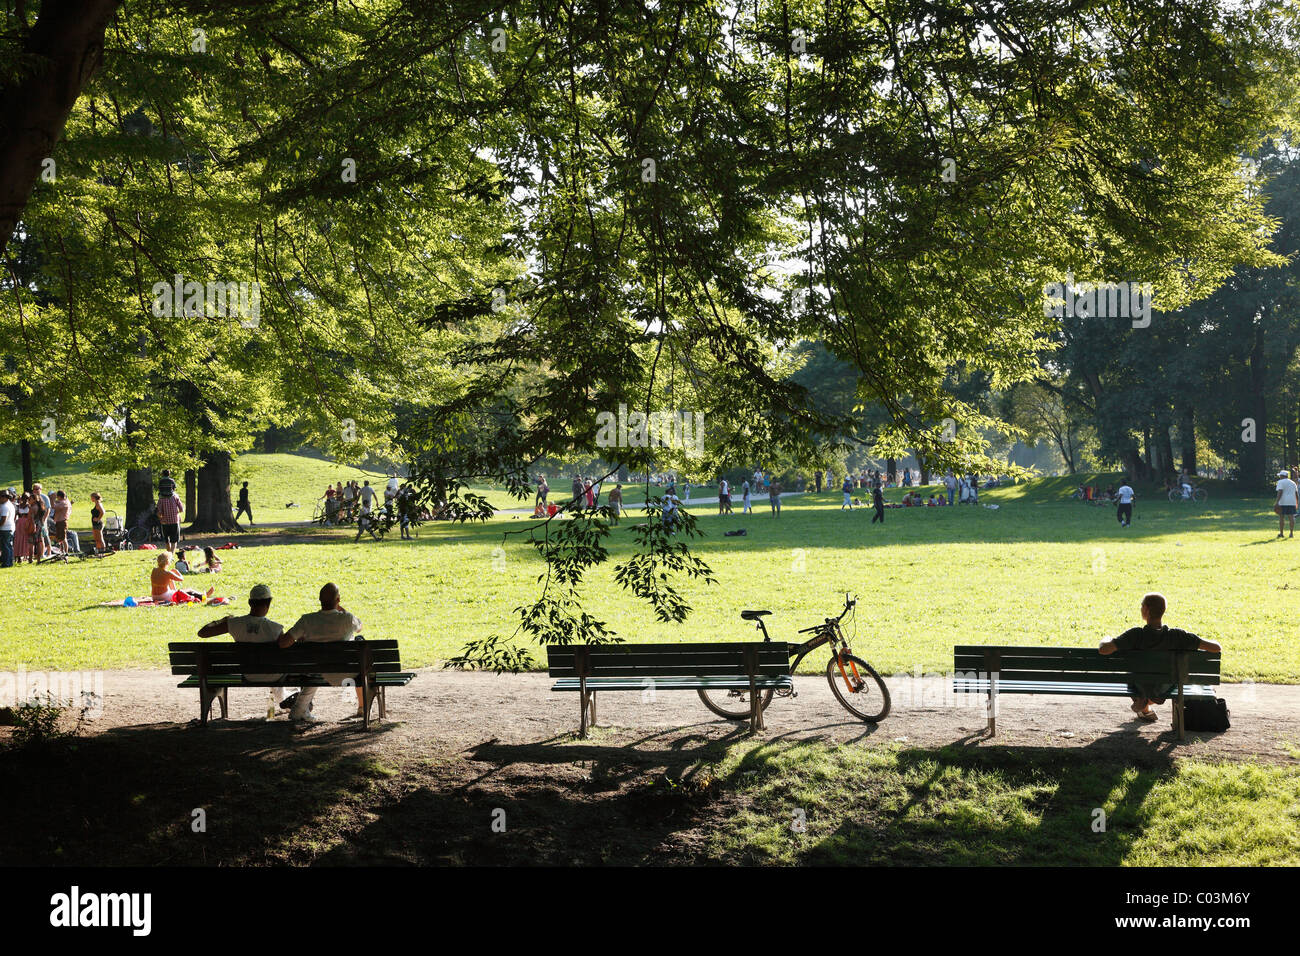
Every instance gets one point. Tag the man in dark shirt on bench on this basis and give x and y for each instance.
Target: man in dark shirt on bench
(1154, 636)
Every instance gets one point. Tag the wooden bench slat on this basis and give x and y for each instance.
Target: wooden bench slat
(719, 683)
(1079, 688)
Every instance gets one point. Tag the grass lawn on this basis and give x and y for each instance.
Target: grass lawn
(1037, 571)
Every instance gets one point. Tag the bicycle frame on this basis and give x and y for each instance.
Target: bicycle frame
(827, 633)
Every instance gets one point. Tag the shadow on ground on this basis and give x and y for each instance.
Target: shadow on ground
(688, 795)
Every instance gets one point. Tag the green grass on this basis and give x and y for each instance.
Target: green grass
(898, 806)
(1048, 574)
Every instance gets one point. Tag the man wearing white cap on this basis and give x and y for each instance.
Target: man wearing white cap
(1285, 504)
(252, 628)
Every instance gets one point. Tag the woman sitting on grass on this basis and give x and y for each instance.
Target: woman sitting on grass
(163, 580)
(213, 562)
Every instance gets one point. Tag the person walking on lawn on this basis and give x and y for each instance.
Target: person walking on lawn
(878, 502)
(1124, 507)
(1285, 504)
(1154, 635)
(332, 622)
(244, 506)
(169, 510)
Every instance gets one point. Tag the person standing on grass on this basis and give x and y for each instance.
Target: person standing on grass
(746, 505)
(61, 512)
(1154, 636)
(8, 519)
(615, 501)
(244, 506)
(169, 511)
(722, 496)
(774, 498)
(950, 483)
(1285, 503)
(847, 488)
(1124, 504)
(332, 622)
(878, 502)
(97, 520)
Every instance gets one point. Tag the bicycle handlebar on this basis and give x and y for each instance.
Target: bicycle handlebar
(849, 604)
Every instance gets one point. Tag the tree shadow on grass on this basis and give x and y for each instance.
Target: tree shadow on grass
(1005, 806)
(128, 796)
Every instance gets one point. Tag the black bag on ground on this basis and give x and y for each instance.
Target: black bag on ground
(1206, 713)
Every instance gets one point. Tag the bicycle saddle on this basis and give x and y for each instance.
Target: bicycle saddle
(753, 615)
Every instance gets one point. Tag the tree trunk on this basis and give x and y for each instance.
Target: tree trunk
(191, 497)
(1187, 434)
(25, 450)
(64, 49)
(139, 494)
(891, 466)
(1166, 453)
(1255, 454)
(212, 511)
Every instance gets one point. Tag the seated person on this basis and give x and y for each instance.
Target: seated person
(931, 503)
(331, 623)
(252, 628)
(1154, 636)
(163, 580)
(213, 562)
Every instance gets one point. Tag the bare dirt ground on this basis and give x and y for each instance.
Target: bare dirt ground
(450, 711)
(425, 786)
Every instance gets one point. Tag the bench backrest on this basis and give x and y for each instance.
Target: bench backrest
(229, 658)
(1085, 664)
(766, 658)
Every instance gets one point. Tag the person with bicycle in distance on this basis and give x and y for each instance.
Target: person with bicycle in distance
(169, 511)
(1285, 503)
(1124, 496)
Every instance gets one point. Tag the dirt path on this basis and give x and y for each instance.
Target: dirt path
(443, 711)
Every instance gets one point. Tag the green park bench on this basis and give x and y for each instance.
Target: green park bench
(588, 668)
(1082, 671)
(214, 667)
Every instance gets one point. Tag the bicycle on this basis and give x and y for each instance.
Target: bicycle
(1198, 495)
(854, 682)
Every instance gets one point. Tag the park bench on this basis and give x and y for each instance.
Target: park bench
(1082, 671)
(588, 668)
(215, 667)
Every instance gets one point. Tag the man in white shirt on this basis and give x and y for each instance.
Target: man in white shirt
(332, 622)
(8, 518)
(1124, 504)
(1285, 505)
(252, 628)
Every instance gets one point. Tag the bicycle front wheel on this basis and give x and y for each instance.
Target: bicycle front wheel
(733, 704)
(138, 536)
(858, 687)
(1200, 494)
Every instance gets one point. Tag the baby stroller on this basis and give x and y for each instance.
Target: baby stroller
(114, 533)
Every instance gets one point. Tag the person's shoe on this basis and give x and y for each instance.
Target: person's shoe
(310, 718)
(1281, 535)
(288, 702)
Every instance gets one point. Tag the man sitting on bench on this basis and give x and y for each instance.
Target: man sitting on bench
(1154, 636)
(252, 628)
(331, 623)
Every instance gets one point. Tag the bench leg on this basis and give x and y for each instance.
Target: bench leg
(383, 705)
(993, 712)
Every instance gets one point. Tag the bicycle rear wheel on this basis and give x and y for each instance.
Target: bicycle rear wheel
(733, 704)
(858, 687)
(138, 535)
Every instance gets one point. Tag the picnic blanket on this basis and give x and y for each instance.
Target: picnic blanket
(148, 601)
